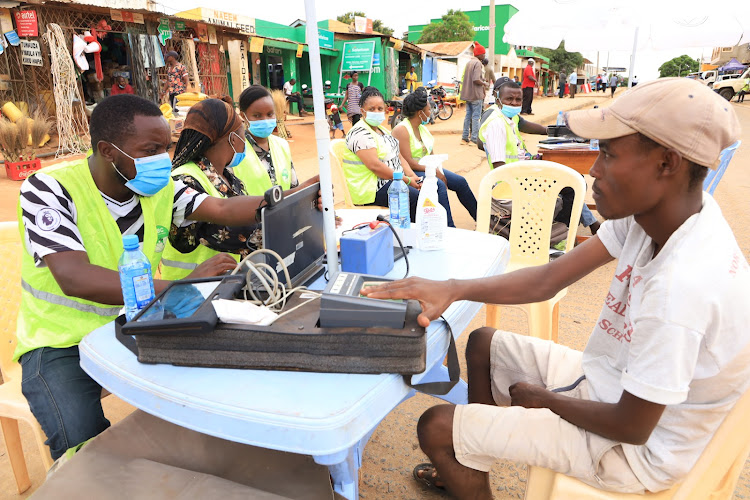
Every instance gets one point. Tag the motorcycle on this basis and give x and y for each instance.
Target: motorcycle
(396, 112)
(440, 109)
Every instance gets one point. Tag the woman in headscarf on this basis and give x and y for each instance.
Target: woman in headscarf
(415, 142)
(212, 142)
(372, 157)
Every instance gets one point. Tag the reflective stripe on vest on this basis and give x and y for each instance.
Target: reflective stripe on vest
(49, 318)
(65, 301)
(512, 135)
(254, 174)
(176, 265)
(418, 148)
(362, 182)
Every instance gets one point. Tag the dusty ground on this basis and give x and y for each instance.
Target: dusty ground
(393, 450)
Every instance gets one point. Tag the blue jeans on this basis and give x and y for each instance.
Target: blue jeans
(587, 218)
(459, 184)
(63, 398)
(381, 199)
(471, 121)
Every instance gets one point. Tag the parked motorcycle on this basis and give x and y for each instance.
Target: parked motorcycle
(440, 109)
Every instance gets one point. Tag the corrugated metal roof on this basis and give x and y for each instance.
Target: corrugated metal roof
(446, 48)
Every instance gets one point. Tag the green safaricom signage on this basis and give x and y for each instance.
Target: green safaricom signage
(358, 56)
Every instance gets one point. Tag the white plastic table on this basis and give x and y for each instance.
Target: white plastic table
(326, 415)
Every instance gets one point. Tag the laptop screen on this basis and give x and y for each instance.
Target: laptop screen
(293, 228)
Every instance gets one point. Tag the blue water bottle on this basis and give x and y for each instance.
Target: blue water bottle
(560, 119)
(398, 202)
(135, 277)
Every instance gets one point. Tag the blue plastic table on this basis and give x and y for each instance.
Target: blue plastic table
(328, 416)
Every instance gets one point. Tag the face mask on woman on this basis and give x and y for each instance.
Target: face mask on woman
(424, 121)
(260, 128)
(375, 118)
(238, 155)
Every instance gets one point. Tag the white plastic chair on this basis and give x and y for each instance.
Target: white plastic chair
(713, 477)
(533, 186)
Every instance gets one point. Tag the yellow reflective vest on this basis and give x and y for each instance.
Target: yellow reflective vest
(49, 318)
(362, 182)
(254, 174)
(512, 135)
(418, 149)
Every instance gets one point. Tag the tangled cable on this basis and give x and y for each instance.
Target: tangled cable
(268, 278)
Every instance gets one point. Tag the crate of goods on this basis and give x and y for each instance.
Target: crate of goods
(20, 170)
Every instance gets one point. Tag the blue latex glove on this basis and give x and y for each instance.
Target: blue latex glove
(182, 301)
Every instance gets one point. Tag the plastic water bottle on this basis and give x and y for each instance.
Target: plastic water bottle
(432, 219)
(594, 144)
(398, 202)
(560, 119)
(135, 277)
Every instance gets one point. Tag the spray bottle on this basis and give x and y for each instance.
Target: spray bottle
(432, 219)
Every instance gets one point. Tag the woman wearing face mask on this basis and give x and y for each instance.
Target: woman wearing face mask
(373, 156)
(269, 160)
(415, 141)
(210, 145)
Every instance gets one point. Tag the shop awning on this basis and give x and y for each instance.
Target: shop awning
(531, 53)
(290, 45)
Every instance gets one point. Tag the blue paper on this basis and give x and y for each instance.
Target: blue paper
(12, 37)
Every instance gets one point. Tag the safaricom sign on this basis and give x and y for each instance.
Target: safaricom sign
(481, 28)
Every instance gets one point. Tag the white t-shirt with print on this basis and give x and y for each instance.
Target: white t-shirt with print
(674, 330)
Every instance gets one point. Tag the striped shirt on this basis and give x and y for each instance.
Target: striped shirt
(352, 101)
(50, 216)
(361, 138)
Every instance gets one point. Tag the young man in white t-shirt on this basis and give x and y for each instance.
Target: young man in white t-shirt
(293, 96)
(667, 359)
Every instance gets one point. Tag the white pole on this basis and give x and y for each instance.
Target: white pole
(632, 59)
(491, 48)
(321, 137)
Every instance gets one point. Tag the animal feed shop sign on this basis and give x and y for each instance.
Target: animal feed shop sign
(31, 53)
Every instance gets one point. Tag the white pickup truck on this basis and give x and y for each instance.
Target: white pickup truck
(729, 87)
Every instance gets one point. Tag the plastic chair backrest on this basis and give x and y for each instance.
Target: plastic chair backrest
(337, 150)
(720, 464)
(714, 176)
(10, 297)
(534, 185)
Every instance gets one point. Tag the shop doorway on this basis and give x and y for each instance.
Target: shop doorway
(275, 72)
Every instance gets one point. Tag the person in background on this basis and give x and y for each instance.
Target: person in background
(415, 141)
(744, 90)
(372, 157)
(334, 121)
(72, 218)
(352, 97)
(573, 82)
(561, 84)
(489, 78)
(472, 91)
(613, 85)
(411, 80)
(635, 81)
(516, 80)
(598, 82)
(500, 138)
(667, 359)
(121, 86)
(527, 87)
(296, 97)
(177, 78)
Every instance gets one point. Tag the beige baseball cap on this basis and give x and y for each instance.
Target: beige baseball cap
(677, 113)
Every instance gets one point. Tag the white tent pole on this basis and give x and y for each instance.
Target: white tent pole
(632, 58)
(321, 137)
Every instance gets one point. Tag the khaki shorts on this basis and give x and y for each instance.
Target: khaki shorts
(483, 434)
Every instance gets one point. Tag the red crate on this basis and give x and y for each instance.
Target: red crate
(20, 170)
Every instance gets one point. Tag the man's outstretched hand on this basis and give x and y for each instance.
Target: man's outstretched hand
(433, 296)
(529, 395)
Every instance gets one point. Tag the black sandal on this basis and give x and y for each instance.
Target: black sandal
(427, 478)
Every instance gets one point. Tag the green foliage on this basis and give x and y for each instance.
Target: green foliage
(560, 59)
(679, 66)
(455, 26)
(377, 24)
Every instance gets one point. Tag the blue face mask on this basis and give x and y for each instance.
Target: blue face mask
(424, 122)
(152, 173)
(510, 111)
(238, 156)
(375, 118)
(261, 128)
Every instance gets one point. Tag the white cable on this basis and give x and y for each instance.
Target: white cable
(269, 280)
